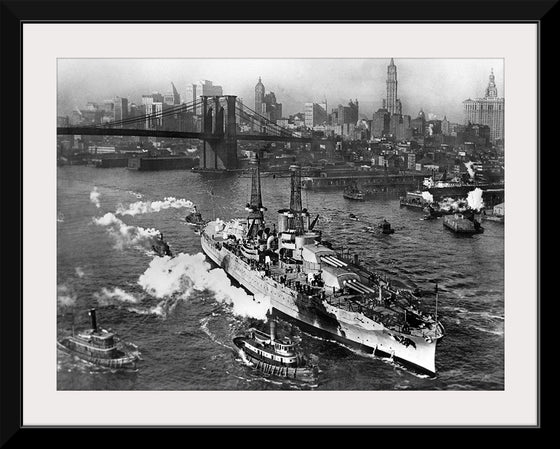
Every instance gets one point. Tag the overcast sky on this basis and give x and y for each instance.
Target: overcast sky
(438, 86)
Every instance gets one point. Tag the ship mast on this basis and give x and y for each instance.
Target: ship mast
(255, 219)
(296, 213)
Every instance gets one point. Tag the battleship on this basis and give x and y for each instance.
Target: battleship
(319, 290)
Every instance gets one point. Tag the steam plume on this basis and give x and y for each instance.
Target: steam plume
(109, 297)
(428, 196)
(144, 207)
(65, 296)
(474, 199)
(179, 276)
(125, 235)
(469, 166)
(94, 197)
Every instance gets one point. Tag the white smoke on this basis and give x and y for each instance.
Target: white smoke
(94, 197)
(179, 276)
(428, 196)
(137, 195)
(110, 297)
(430, 129)
(65, 296)
(79, 272)
(428, 182)
(127, 236)
(474, 199)
(144, 207)
(469, 166)
(449, 204)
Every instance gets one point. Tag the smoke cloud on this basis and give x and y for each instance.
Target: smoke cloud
(179, 276)
(79, 272)
(470, 169)
(144, 207)
(65, 296)
(428, 182)
(94, 197)
(110, 297)
(474, 199)
(128, 236)
(428, 197)
(449, 204)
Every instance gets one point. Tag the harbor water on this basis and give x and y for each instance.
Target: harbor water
(183, 313)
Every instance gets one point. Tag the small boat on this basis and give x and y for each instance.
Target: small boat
(353, 217)
(276, 357)
(463, 223)
(385, 227)
(194, 218)
(161, 247)
(99, 346)
(352, 192)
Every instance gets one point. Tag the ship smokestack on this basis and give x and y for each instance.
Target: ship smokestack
(93, 320)
(272, 331)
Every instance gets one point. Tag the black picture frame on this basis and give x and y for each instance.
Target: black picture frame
(16, 13)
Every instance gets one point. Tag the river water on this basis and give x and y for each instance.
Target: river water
(183, 323)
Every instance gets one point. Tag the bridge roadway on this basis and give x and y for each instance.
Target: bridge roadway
(91, 131)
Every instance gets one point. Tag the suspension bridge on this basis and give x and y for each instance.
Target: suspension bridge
(220, 128)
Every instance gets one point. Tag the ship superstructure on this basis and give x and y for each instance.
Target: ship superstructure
(323, 292)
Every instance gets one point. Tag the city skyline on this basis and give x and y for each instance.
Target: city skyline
(437, 86)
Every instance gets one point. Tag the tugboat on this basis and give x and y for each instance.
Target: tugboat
(161, 247)
(352, 192)
(464, 223)
(385, 227)
(277, 357)
(99, 346)
(194, 218)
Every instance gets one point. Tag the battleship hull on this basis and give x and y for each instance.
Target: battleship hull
(324, 319)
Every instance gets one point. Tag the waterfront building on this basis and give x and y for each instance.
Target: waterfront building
(488, 110)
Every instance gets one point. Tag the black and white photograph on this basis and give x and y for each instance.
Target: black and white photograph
(310, 233)
(256, 224)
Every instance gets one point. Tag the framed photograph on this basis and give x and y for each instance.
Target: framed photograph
(242, 222)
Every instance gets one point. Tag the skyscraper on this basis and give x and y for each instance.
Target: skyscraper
(265, 104)
(315, 114)
(259, 96)
(487, 111)
(120, 108)
(392, 103)
(202, 88)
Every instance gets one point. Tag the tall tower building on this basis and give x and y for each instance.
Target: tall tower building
(392, 103)
(487, 111)
(259, 96)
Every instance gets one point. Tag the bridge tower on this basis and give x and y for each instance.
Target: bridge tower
(219, 133)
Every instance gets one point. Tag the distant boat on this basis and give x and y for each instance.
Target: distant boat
(383, 227)
(352, 192)
(463, 223)
(277, 357)
(413, 200)
(161, 247)
(99, 346)
(195, 217)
